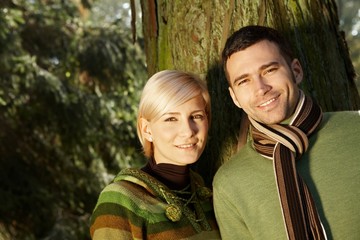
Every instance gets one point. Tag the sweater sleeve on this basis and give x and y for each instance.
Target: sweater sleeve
(230, 221)
(116, 214)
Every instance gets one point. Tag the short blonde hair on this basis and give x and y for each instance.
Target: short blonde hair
(167, 89)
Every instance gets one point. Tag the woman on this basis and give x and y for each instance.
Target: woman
(164, 199)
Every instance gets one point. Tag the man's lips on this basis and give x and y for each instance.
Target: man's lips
(268, 102)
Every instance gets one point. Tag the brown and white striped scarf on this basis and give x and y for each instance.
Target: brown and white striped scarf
(285, 144)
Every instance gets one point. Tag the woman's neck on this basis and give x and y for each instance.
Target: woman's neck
(173, 176)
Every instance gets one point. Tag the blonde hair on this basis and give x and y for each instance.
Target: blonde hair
(167, 89)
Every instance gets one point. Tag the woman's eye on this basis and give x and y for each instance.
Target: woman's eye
(198, 116)
(171, 119)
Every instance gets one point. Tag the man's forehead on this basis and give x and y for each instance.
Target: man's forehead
(261, 51)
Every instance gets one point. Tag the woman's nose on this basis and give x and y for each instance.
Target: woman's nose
(187, 128)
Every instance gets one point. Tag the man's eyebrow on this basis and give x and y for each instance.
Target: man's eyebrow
(240, 77)
(260, 68)
(268, 65)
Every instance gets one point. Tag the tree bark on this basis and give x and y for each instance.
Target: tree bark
(189, 35)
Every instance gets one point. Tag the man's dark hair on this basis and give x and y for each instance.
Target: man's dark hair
(250, 35)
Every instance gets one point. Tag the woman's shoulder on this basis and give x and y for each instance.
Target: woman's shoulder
(130, 191)
(124, 189)
(132, 180)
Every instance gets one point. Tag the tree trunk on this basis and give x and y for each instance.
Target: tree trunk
(189, 35)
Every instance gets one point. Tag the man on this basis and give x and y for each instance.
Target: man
(298, 175)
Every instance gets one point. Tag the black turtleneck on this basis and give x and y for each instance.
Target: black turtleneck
(173, 176)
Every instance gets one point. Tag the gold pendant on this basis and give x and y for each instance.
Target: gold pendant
(173, 212)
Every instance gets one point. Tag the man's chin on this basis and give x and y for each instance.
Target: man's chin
(274, 119)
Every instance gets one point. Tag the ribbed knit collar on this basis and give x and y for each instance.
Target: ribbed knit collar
(173, 176)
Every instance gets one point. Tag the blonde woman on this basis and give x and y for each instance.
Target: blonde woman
(165, 199)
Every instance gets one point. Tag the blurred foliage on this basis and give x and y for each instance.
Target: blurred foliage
(69, 91)
(349, 15)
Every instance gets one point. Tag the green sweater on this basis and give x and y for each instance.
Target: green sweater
(245, 194)
(134, 206)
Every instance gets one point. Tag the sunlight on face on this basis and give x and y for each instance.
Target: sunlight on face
(179, 135)
(263, 84)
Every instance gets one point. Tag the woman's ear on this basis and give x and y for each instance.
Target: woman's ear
(297, 71)
(146, 129)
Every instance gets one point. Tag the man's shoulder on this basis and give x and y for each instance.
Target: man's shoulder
(239, 162)
(344, 121)
(342, 116)
(353, 114)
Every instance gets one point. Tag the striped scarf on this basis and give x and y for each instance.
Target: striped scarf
(285, 144)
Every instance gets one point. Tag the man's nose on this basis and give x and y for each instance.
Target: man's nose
(261, 86)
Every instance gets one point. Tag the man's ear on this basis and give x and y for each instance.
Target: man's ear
(232, 94)
(146, 129)
(297, 71)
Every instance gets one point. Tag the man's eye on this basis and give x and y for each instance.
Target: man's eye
(270, 70)
(241, 82)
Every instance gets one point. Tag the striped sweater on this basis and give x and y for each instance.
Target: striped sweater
(137, 206)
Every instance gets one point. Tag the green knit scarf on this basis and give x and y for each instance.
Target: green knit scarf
(177, 207)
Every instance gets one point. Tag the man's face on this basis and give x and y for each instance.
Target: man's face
(263, 84)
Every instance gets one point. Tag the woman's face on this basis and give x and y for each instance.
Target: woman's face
(179, 135)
